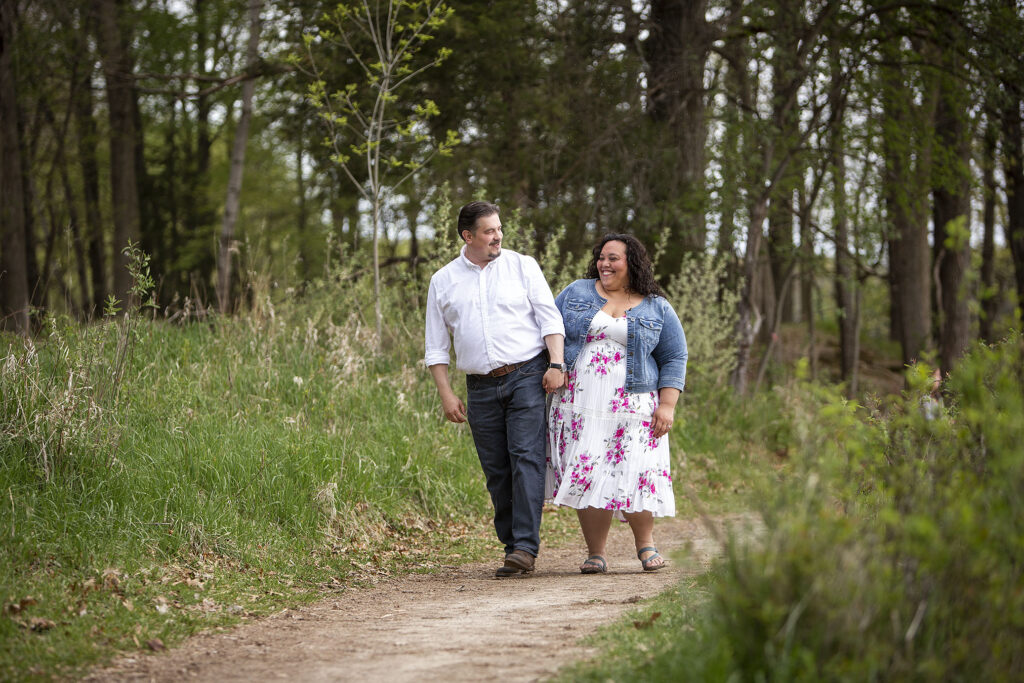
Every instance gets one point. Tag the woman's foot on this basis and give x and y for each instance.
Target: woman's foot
(650, 559)
(594, 564)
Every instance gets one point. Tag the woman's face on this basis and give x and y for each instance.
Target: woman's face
(611, 266)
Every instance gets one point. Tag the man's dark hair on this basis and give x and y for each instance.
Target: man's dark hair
(638, 263)
(469, 214)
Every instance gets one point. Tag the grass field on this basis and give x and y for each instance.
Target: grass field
(161, 479)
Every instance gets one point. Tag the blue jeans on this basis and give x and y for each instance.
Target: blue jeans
(507, 417)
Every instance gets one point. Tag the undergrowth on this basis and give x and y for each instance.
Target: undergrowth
(893, 547)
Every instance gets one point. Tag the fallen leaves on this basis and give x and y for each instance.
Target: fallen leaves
(38, 624)
(20, 605)
(646, 623)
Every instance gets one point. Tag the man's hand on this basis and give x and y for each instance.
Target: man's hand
(451, 404)
(453, 408)
(554, 380)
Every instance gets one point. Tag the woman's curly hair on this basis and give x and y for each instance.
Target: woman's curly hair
(638, 263)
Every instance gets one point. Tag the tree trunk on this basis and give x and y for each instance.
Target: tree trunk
(227, 234)
(676, 54)
(951, 214)
(988, 294)
(87, 141)
(807, 275)
(749, 319)
(786, 78)
(113, 41)
(1013, 169)
(846, 280)
(14, 295)
(907, 173)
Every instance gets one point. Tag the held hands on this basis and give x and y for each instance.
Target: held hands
(554, 380)
(664, 416)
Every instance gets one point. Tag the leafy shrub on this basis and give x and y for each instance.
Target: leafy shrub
(707, 310)
(894, 546)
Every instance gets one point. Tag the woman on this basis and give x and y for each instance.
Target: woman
(607, 446)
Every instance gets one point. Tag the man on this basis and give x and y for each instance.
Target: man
(500, 312)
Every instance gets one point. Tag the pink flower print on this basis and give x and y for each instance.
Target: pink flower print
(597, 335)
(652, 442)
(646, 484)
(576, 426)
(599, 362)
(580, 479)
(617, 358)
(620, 401)
(616, 448)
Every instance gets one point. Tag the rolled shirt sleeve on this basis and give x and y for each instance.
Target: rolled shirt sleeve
(547, 315)
(437, 342)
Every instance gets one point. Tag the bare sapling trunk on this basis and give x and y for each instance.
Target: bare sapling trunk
(231, 204)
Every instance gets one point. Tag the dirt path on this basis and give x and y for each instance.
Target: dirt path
(462, 625)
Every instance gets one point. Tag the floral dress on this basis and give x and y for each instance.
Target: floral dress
(601, 448)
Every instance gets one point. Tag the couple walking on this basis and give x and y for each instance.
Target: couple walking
(609, 350)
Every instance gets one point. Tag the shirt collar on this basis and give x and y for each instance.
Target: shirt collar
(469, 264)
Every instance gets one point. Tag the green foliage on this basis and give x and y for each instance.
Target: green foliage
(893, 544)
(386, 45)
(707, 308)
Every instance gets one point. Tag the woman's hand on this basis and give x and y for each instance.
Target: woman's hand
(554, 379)
(664, 416)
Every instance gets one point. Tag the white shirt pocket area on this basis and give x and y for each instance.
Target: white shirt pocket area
(512, 296)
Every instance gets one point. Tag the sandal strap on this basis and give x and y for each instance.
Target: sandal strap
(594, 560)
(644, 550)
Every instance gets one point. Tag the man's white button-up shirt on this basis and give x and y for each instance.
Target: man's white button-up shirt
(497, 315)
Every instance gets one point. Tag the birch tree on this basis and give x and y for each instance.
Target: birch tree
(368, 122)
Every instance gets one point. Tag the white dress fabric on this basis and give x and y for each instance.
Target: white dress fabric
(601, 448)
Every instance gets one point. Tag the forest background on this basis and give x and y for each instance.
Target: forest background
(252, 195)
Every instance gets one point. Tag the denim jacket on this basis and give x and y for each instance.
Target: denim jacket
(656, 344)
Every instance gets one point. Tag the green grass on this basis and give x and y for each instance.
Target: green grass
(248, 464)
(663, 639)
(243, 467)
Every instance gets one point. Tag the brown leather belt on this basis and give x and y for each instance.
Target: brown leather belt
(505, 369)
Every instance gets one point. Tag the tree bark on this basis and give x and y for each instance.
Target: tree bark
(14, 294)
(676, 54)
(87, 141)
(1013, 169)
(846, 280)
(113, 41)
(951, 213)
(231, 205)
(907, 173)
(988, 294)
(786, 78)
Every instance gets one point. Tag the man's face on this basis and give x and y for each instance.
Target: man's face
(484, 244)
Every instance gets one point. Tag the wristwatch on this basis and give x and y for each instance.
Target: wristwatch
(556, 366)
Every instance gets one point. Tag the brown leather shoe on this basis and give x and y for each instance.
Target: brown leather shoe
(516, 562)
